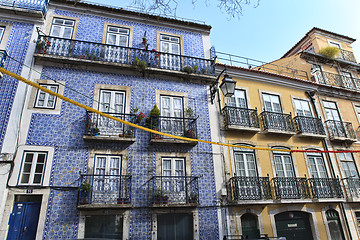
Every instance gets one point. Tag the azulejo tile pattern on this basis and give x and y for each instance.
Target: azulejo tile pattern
(17, 47)
(72, 153)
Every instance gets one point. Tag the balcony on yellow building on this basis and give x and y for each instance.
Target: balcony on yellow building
(241, 119)
(309, 127)
(249, 188)
(341, 131)
(337, 80)
(275, 122)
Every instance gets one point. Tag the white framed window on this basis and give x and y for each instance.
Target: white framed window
(357, 111)
(348, 80)
(245, 163)
(302, 108)
(271, 103)
(172, 112)
(283, 164)
(107, 165)
(317, 72)
(335, 44)
(33, 166)
(238, 99)
(2, 30)
(173, 177)
(62, 28)
(112, 101)
(118, 38)
(170, 44)
(317, 165)
(45, 100)
(348, 165)
(173, 166)
(331, 110)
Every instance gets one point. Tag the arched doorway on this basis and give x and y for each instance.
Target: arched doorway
(249, 226)
(293, 225)
(335, 228)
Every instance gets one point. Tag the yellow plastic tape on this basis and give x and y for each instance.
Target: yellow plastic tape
(3, 70)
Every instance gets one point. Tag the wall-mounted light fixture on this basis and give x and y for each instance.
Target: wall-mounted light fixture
(227, 86)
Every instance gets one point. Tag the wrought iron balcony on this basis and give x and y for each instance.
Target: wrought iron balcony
(325, 188)
(337, 80)
(241, 118)
(352, 187)
(174, 190)
(139, 58)
(105, 189)
(347, 55)
(291, 188)
(339, 130)
(3, 55)
(183, 127)
(34, 5)
(309, 125)
(277, 122)
(249, 188)
(97, 125)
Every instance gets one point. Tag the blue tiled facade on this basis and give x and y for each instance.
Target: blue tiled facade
(65, 132)
(16, 47)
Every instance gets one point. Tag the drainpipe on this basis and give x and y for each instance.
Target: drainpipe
(312, 100)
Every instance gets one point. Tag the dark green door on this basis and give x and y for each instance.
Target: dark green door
(175, 227)
(249, 226)
(293, 225)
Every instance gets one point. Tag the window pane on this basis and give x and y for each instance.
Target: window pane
(104, 227)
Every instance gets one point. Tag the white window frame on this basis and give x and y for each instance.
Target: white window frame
(47, 97)
(317, 157)
(64, 25)
(112, 104)
(332, 109)
(107, 169)
(2, 31)
(173, 170)
(271, 98)
(299, 107)
(33, 166)
(283, 165)
(357, 111)
(245, 152)
(237, 100)
(348, 158)
(120, 32)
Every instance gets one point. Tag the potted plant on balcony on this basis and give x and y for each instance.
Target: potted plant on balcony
(193, 198)
(160, 197)
(84, 190)
(140, 64)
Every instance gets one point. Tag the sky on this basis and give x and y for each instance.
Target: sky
(268, 31)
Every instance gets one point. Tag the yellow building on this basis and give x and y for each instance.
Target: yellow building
(304, 101)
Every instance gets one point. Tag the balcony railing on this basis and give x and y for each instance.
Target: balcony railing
(337, 80)
(347, 55)
(325, 188)
(277, 121)
(291, 188)
(99, 125)
(183, 127)
(340, 130)
(174, 190)
(250, 188)
(352, 187)
(309, 125)
(241, 117)
(34, 5)
(105, 189)
(3, 55)
(140, 58)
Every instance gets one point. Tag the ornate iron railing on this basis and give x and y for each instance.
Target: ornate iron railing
(309, 125)
(99, 125)
(3, 55)
(347, 55)
(105, 189)
(242, 117)
(291, 188)
(337, 80)
(140, 58)
(249, 188)
(183, 127)
(174, 189)
(35, 5)
(352, 186)
(325, 188)
(339, 129)
(277, 121)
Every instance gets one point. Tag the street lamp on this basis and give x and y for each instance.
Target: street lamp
(227, 86)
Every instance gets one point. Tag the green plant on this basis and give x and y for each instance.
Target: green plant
(195, 68)
(188, 69)
(140, 64)
(84, 187)
(329, 52)
(189, 113)
(155, 111)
